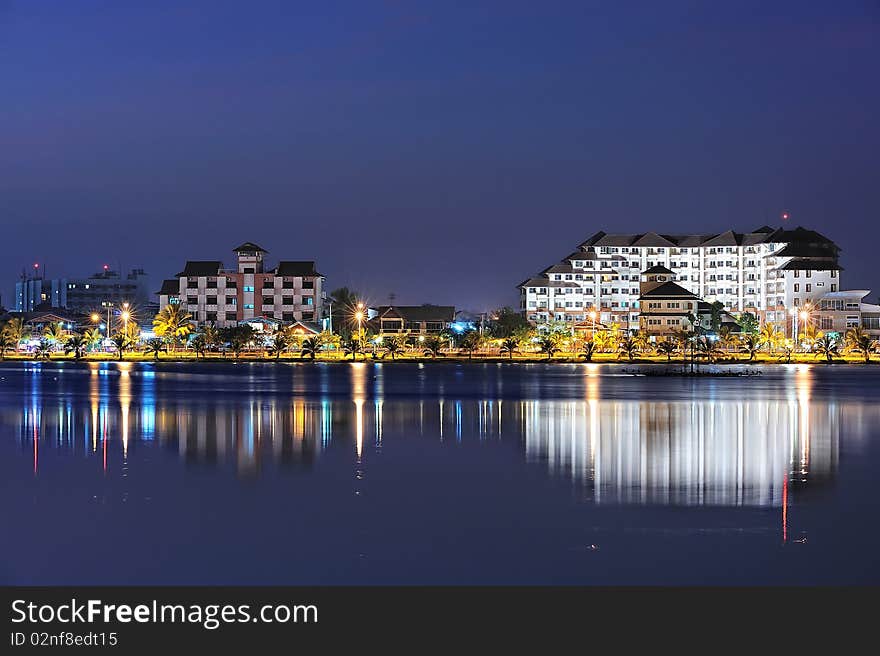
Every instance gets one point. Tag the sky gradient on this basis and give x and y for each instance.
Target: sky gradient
(441, 151)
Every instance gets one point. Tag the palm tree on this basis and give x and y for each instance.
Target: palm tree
(642, 340)
(92, 337)
(826, 345)
(43, 350)
(279, 343)
(211, 337)
(311, 346)
(470, 342)
(510, 346)
(787, 349)
(549, 345)
(393, 345)
(55, 332)
(628, 346)
(434, 346)
(122, 342)
(668, 348)
(352, 346)
(858, 340)
(7, 342)
(587, 350)
(727, 338)
(155, 346)
(76, 344)
(751, 344)
(708, 348)
(770, 336)
(811, 335)
(173, 322)
(199, 345)
(16, 329)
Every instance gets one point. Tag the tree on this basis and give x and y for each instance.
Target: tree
(155, 346)
(642, 340)
(748, 323)
(344, 305)
(628, 346)
(211, 337)
(199, 345)
(604, 341)
(826, 346)
(393, 345)
(352, 346)
(549, 345)
(55, 333)
(587, 350)
(471, 341)
(173, 322)
(238, 337)
(311, 346)
(92, 337)
(787, 349)
(770, 336)
(751, 344)
(505, 322)
(16, 329)
(727, 338)
(43, 349)
(279, 342)
(667, 347)
(857, 340)
(76, 344)
(716, 311)
(7, 342)
(510, 346)
(810, 335)
(434, 346)
(122, 340)
(708, 348)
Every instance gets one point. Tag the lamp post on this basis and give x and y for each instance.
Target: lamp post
(794, 323)
(359, 317)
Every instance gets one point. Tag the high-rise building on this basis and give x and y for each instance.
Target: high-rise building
(82, 294)
(291, 291)
(767, 272)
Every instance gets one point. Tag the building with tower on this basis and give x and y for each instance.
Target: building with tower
(290, 291)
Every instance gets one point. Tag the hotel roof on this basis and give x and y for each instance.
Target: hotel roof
(764, 234)
(200, 268)
(668, 290)
(296, 269)
(249, 247)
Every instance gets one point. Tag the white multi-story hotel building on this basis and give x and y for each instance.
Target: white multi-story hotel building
(766, 272)
(292, 291)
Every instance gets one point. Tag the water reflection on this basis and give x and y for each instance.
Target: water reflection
(720, 451)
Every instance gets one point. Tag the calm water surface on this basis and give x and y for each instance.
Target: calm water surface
(119, 473)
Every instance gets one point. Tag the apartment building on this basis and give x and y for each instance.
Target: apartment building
(837, 312)
(290, 291)
(82, 294)
(767, 272)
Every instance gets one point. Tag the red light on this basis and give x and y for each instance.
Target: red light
(785, 216)
(36, 266)
(106, 267)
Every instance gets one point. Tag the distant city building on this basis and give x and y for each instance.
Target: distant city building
(417, 319)
(291, 291)
(766, 272)
(82, 294)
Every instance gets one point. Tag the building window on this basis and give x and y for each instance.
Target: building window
(797, 287)
(248, 270)
(287, 316)
(809, 287)
(248, 289)
(231, 316)
(287, 284)
(308, 284)
(192, 300)
(248, 306)
(230, 300)
(211, 300)
(309, 300)
(268, 300)
(287, 300)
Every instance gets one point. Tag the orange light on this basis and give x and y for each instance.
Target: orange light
(96, 318)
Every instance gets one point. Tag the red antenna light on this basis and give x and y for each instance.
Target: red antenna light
(106, 266)
(36, 265)
(785, 216)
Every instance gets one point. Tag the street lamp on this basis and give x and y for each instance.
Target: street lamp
(794, 318)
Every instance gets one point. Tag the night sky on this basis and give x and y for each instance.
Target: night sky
(443, 151)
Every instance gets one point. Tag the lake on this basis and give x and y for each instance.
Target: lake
(436, 473)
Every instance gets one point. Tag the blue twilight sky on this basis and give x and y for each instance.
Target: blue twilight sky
(443, 151)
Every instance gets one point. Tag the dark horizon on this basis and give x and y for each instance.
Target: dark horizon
(441, 154)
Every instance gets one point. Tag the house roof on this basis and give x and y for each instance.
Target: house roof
(668, 290)
(169, 287)
(309, 327)
(658, 268)
(199, 268)
(581, 255)
(444, 313)
(249, 247)
(546, 282)
(804, 264)
(562, 267)
(303, 268)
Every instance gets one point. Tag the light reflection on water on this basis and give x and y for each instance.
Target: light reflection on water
(725, 450)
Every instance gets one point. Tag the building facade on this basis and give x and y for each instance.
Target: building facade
(837, 312)
(766, 272)
(83, 295)
(414, 319)
(291, 291)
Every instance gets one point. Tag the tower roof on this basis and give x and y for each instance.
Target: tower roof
(249, 247)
